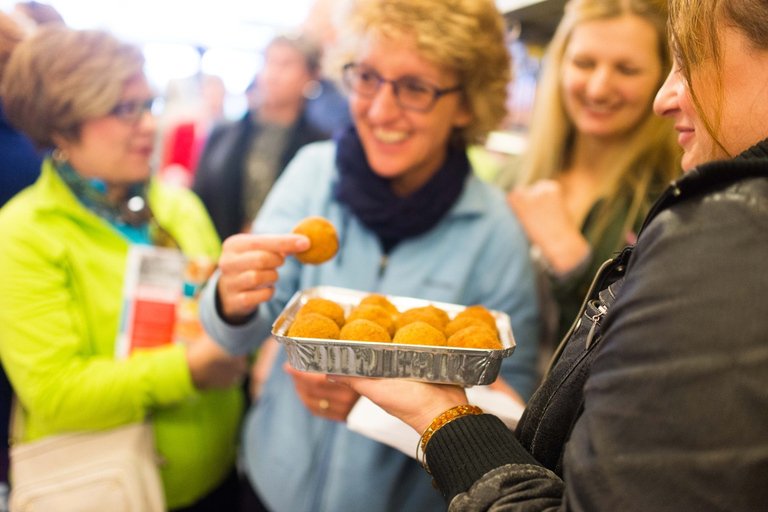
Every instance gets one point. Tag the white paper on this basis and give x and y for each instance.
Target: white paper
(372, 421)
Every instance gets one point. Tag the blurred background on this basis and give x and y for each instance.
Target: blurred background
(201, 57)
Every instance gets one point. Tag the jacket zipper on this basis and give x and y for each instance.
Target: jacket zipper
(383, 264)
(601, 310)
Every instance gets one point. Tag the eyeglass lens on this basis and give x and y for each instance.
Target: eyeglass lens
(410, 92)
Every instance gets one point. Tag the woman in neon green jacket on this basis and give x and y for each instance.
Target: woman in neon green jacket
(64, 247)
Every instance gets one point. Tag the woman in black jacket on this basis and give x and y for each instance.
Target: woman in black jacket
(658, 397)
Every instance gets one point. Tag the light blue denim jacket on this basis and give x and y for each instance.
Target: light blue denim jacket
(477, 254)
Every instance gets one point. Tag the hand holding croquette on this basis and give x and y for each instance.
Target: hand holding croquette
(248, 266)
(249, 263)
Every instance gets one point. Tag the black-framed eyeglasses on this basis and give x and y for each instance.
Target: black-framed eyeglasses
(131, 110)
(411, 93)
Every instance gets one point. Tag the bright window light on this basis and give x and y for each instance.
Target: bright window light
(165, 62)
(235, 67)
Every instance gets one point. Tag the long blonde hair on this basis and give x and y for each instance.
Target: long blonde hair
(648, 160)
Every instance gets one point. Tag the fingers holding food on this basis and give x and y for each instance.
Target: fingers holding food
(248, 270)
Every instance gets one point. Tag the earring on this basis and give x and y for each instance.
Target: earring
(60, 156)
(312, 90)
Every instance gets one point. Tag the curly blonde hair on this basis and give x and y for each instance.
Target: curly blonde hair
(467, 37)
(59, 77)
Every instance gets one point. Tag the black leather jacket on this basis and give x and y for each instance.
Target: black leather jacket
(665, 406)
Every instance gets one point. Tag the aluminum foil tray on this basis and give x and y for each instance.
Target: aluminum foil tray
(466, 366)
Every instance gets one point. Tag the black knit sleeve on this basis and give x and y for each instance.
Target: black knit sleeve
(477, 462)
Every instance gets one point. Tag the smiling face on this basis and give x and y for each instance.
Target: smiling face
(113, 149)
(405, 146)
(610, 72)
(743, 119)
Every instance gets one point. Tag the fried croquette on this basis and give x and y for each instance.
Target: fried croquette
(322, 237)
(323, 307)
(419, 333)
(435, 317)
(364, 330)
(376, 299)
(481, 313)
(458, 324)
(314, 325)
(475, 337)
(375, 314)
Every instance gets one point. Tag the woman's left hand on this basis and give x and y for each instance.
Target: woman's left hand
(416, 403)
(541, 209)
(322, 398)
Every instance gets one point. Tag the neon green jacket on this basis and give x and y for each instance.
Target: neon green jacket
(60, 303)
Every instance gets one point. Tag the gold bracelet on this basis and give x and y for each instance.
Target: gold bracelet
(442, 420)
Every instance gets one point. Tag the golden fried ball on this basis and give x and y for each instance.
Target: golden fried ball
(475, 337)
(458, 324)
(323, 307)
(322, 237)
(376, 299)
(419, 333)
(481, 313)
(435, 317)
(364, 330)
(375, 314)
(314, 325)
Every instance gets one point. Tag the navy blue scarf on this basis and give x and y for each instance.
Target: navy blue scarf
(371, 199)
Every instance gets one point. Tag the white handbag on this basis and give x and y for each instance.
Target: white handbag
(113, 470)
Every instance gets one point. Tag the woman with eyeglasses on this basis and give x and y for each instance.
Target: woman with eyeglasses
(425, 79)
(64, 254)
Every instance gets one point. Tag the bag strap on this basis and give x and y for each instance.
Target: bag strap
(18, 423)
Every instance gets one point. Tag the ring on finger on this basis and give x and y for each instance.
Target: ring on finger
(324, 404)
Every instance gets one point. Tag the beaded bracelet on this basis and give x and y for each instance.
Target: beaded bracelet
(442, 420)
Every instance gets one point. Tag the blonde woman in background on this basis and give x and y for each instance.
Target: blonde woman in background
(597, 155)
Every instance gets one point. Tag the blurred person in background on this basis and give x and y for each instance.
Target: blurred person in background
(425, 80)
(187, 123)
(20, 164)
(19, 158)
(64, 255)
(597, 156)
(242, 160)
(327, 105)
